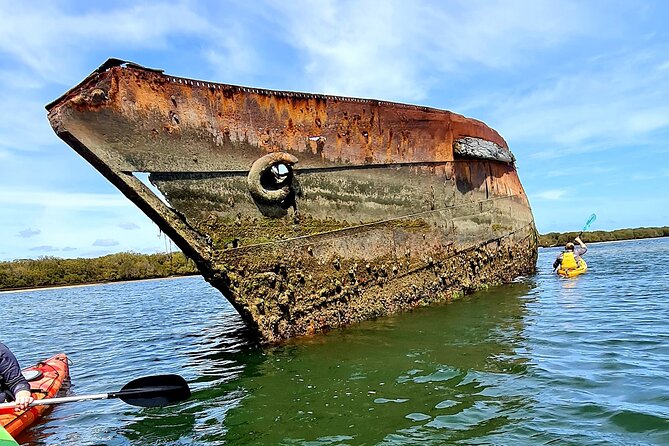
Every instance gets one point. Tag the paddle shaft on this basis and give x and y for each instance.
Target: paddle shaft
(93, 396)
(61, 400)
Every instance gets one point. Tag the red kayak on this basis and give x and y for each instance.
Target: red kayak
(46, 379)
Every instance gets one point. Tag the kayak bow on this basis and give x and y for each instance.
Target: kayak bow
(47, 379)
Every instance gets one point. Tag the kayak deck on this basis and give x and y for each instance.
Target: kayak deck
(569, 273)
(52, 373)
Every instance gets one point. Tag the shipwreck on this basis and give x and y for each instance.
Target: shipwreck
(307, 211)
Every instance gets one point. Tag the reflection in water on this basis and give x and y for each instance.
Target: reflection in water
(432, 375)
(155, 426)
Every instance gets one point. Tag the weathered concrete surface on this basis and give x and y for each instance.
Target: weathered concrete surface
(372, 207)
(480, 148)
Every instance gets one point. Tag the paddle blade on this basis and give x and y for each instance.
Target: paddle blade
(154, 391)
(592, 218)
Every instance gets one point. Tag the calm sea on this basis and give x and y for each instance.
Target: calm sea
(543, 361)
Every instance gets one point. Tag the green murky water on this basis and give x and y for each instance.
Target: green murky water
(542, 361)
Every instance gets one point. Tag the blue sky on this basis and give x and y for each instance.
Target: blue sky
(579, 89)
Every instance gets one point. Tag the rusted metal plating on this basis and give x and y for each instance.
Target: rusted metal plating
(307, 211)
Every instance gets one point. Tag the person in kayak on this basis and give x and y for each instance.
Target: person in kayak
(13, 386)
(570, 258)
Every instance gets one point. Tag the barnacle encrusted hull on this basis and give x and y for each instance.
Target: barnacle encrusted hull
(307, 211)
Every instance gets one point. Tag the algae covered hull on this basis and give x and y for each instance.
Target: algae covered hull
(307, 211)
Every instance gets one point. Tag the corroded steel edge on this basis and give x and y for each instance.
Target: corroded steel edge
(272, 287)
(114, 62)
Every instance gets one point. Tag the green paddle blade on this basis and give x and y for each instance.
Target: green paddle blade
(592, 218)
(154, 391)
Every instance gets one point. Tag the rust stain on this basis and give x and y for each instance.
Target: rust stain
(379, 214)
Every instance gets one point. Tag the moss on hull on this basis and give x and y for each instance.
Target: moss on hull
(340, 276)
(295, 293)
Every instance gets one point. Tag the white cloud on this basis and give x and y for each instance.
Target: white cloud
(53, 41)
(651, 176)
(23, 123)
(128, 225)
(552, 194)
(616, 101)
(46, 47)
(228, 52)
(29, 232)
(396, 49)
(648, 120)
(105, 242)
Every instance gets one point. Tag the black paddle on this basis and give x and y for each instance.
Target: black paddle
(149, 391)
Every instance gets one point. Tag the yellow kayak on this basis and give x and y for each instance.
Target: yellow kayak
(583, 267)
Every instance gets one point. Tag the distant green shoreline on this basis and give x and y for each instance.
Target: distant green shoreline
(77, 285)
(127, 266)
(561, 238)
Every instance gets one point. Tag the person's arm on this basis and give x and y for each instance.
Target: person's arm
(10, 373)
(557, 262)
(583, 249)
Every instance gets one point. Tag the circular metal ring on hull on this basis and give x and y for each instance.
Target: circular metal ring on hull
(260, 167)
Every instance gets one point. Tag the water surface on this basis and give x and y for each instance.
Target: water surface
(546, 360)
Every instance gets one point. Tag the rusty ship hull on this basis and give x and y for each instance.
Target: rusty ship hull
(306, 211)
